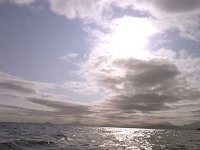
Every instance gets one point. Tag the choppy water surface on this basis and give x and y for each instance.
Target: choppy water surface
(61, 137)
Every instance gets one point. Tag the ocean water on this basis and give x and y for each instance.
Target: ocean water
(14, 136)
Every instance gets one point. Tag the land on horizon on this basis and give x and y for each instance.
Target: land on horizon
(192, 126)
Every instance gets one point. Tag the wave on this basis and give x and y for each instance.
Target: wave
(40, 137)
(19, 144)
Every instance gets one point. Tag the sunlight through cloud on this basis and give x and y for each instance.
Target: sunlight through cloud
(130, 37)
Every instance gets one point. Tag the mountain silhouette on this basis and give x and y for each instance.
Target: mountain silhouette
(194, 125)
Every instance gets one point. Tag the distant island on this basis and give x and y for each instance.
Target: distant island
(76, 123)
(164, 125)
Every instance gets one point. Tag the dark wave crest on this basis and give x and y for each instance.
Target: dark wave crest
(20, 144)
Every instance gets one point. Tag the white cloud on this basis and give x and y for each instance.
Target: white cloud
(69, 56)
(19, 2)
(77, 8)
(182, 15)
(178, 14)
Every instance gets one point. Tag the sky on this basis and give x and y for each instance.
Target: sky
(100, 62)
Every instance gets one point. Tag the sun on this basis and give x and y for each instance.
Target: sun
(130, 36)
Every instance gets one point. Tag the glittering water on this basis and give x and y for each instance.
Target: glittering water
(61, 137)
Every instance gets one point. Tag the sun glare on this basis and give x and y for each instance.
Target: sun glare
(130, 37)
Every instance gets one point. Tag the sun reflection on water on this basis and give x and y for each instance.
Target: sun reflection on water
(137, 139)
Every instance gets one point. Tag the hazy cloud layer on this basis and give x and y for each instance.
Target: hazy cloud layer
(16, 84)
(64, 108)
(161, 87)
(30, 99)
(84, 88)
(182, 15)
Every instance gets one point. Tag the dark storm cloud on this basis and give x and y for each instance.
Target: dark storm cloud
(147, 73)
(109, 82)
(17, 86)
(21, 110)
(196, 113)
(13, 84)
(161, 8)
(174, 6)
(142, 102)
(146, 86)
(64, 108)
(118, 116)
(154, 75)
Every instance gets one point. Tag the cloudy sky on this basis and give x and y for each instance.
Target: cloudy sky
(100, 62)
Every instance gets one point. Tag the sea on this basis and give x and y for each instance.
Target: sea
(27, 136)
